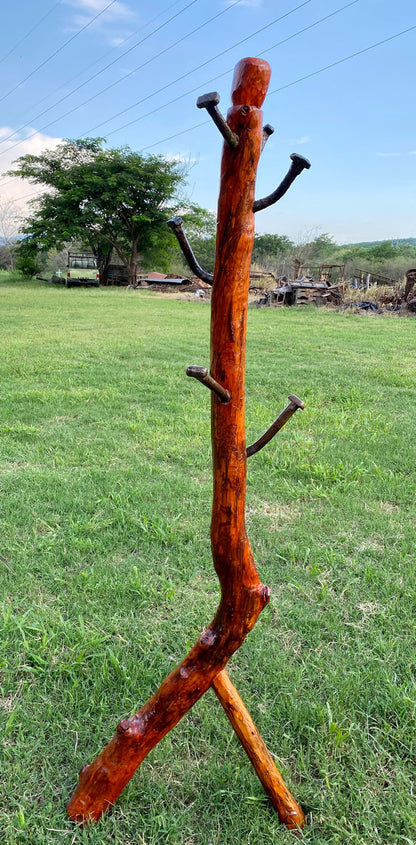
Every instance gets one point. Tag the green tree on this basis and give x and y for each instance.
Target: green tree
(269, 247)
(201, 226)
(383, 251)
(108, 200)
(28, 258)
(321, 247)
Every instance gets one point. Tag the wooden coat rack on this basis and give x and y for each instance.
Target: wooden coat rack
(243, 596)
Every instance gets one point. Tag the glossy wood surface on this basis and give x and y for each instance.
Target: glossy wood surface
(242, 594)
(288, 810)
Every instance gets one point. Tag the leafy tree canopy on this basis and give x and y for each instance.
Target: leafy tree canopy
(113, 199)
(268, 247)
(321, 247)
(200, 225)
(199, 222)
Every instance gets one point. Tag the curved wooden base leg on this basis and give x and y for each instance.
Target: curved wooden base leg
(289, 812)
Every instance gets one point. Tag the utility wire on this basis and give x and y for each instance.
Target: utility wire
(242, 41)
(177, 134)
(296, 81)
(104, 55)
(21, 40)
(345, 59)
(212, 79)
(195, 69)
(9, 182)
(300, 79)
(290, 84)
(187, 93)
(159, 108)
(55, 53)
(192, 90)
(130, 73)
(99, 72)
(27, 196)
(158, 55)
(310, 26)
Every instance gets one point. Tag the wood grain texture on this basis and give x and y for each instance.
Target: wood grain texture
(242, 594)
(288, 810)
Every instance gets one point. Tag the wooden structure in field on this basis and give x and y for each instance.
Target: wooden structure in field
(243, 596)
(303, 292)
(366, 278)
(330, 274)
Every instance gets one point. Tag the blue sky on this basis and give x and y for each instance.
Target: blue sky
(142, 65)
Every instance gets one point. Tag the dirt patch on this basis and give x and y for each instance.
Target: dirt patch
(372, 544)
(388, 507)
(279, 515)
(369, 608)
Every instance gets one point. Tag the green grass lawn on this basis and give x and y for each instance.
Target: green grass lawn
(106, 576)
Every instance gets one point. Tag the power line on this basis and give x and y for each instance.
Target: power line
(27, 196)
(158, 55)
(55, 53)
(279, 43)
(194, 70)
(103, 56)
(82, 85)
(9, 182)
(237, 44)
(191, 91)
(132, 72)
(295, 81)
(287, 85)
(345, 59)
(21, 40)
(177, 134)
(310, 26)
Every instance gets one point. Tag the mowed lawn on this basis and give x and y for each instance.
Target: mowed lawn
(106, 576)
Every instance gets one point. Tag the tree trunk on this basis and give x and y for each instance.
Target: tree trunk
(132, 274)
(103, 266)
(103, 261)
(133, 263)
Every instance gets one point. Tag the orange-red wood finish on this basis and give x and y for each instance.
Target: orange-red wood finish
(242, 594)
(288, 810)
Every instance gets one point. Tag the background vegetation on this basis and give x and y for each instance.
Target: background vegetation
(115, 203)
(106, 577)
(282, 256)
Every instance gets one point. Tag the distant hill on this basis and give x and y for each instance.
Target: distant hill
(393, 241)
(4, 241)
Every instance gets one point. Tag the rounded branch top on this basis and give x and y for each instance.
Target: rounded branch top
(250, 82)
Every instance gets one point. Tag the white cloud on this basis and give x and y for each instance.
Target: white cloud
(78, 21)
(32, 142)
(303, 140)
(182, 158)
(115, 42)
(118, 11)
(116, 15)
(5, 131)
